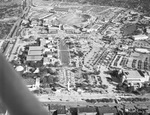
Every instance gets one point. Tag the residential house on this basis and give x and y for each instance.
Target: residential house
(46, 61)
(35, 48)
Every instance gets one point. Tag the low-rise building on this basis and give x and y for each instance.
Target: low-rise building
(34, 53)
(46, 61)
(59, 109)
(142, 50)
(34, 58)
(135, 78)
(86, 111)
(35, 48)
(140, 37)
(106, 110)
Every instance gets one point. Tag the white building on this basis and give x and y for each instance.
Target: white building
(135, 78)
(140, 37)
(46, 61)
(142, 50)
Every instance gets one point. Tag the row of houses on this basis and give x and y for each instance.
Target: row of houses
(103, 110)
(63, 110)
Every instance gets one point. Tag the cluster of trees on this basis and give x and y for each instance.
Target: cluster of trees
(90, 88)
(140, 5)
(104, 100)
(50, 79)
(34, 64)
(124, 87)
(134, 99)
(5, 27)
(144, 89)
(130, 89)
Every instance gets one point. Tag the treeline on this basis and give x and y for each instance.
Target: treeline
(139, 5)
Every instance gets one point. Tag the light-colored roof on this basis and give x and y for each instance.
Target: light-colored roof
(142, 50)
(34, 58)
(140, 37)
(19, 68)
(108, 113)
(35, 48)
(34, 52)
(133, 74)
(46, 59)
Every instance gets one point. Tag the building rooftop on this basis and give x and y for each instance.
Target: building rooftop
(60, 109)
(133, 74)
(140, 37)
(105, 110)
(87, 109)
(35, 48)
(34, 52)
(34, 58)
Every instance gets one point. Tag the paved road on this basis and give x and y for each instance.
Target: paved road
(14, 31)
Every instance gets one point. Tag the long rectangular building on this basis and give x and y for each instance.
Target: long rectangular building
(35, 48)
(34, 52)
(34, 58)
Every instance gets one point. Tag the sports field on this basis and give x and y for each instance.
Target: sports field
(64, 53)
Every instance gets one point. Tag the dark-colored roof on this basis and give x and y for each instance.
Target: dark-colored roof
(60, 109)
(107, 109)
(86, 109)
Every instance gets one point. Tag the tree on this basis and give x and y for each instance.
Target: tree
(36, 91)
(39, 63)
(80, 54)
(14, 62)
(55, 79)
